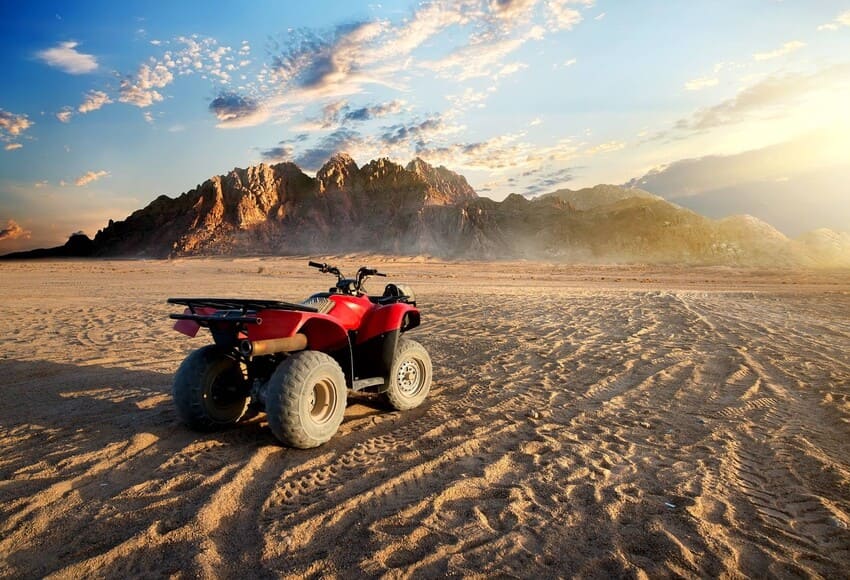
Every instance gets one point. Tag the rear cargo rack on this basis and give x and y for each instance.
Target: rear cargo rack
(245, 305)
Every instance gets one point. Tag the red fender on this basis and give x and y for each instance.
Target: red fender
(323, 332)
(383, 319)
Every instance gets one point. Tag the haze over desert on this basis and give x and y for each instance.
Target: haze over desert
(590, 421)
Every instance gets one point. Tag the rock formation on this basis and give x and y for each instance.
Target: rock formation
(384, 207)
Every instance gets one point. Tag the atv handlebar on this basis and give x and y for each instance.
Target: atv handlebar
(345, 285)
(370, 272)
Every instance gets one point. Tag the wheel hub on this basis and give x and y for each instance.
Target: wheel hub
(407, 377)
(322, 401)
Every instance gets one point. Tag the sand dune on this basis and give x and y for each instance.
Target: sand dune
(596, 421)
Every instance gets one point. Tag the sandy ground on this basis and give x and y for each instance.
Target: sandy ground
(590, 421)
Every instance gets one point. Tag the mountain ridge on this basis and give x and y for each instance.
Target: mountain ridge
(385, 207)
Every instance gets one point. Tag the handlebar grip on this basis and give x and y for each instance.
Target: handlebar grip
(315, 264)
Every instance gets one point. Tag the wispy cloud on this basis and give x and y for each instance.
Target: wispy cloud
(12, 146)
(13, 231)
(481, 59)
(541, 181)
(93, 101)
(65, 57)
(90, 176)
(230, 106)
(563, 17)
(786, 48)
(701, 83)
(310, 67)
(373, 111)
(606, 147)
(417, 133)
(337, 113)
(64, 116)
(842, 19)
(140, 89)
(763, 97)
(12, 125)
(340, 140)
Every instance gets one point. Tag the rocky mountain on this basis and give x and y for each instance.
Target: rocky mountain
(598, 195)
(384, 207)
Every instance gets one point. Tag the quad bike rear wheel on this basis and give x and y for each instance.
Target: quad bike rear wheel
(210, 390)
(410, 376)
(306, 399)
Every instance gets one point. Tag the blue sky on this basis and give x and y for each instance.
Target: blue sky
(729, 107)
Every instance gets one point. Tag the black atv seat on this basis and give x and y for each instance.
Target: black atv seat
(384, 300)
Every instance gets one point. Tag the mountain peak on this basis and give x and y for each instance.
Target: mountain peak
(337, 172)
(445, 187)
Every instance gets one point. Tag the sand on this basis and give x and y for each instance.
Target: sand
(584, 420)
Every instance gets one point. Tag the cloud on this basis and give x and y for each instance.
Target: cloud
(284, 150)
(331, 61)
(139, 90)
(310, 67)
(93, 101)
(562, 16)
(786, 48)
(763, 97)
(65, 115)
(65, 57)
(500, 153)
(340, 140)
(279, 153)
(768, 183)
(13, 231)
(338, 113)
(842, 19)
(416, 132)
(545, 181)
(319, 67)
(12, 146)
(480, 59)
(90, 176)
(608, 147)
(687, 177)
(701, 83)
(230, 106)
(373, 111)
(12, 125)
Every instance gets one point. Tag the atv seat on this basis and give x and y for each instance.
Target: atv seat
(395, 293)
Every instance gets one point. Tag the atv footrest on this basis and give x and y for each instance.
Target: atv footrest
(361, 384)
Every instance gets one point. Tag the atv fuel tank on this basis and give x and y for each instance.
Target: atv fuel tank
(349, 310)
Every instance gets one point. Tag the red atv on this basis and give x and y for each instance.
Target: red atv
(296, 361)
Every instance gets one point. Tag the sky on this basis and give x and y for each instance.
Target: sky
(721, 106)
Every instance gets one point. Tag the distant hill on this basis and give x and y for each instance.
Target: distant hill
(598, 195)
(385, 207)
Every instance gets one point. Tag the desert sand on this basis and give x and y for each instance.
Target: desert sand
(593, 421)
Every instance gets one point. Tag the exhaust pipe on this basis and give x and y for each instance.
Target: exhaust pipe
(250, 348)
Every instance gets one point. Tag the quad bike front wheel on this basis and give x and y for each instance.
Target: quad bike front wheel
(210, 390)
(410, 376)
(306, 399)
